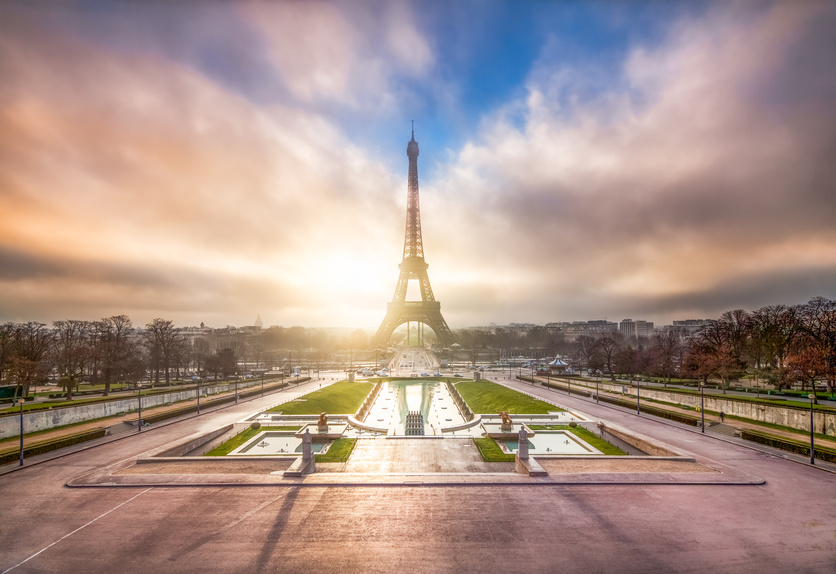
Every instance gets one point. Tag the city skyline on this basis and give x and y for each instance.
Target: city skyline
(579, 161)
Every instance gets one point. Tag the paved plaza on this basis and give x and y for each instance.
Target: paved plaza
(769, 514)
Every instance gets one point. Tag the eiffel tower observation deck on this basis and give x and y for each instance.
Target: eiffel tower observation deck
(427, 311)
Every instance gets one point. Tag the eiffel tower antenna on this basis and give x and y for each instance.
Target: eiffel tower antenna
(413, 266)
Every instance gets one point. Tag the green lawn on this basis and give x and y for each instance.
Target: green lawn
(337, 399)
(591, 438)
(491, 452)
(485, 397)
(227, 447)
(338, 452)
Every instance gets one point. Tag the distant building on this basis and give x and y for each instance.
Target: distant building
(589, 329)
(690, 326)
(258, 322)
(627, 327)
(635, 329)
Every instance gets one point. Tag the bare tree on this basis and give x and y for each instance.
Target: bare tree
(200, 351)
(665, 348)
(7, 337)
(607, 347)
(114, 347)
(160, 340)
(716, 351)
(31, 348)
(627, 361)
(818, 322)
(807, 366)
(586, 351)
(71, 352)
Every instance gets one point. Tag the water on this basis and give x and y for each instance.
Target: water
(276, 443)
(552, 442)
(398, 398)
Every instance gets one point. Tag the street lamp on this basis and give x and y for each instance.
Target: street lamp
(262, 383)
(236, 389)
(139, 402)
(198, 394)
(638, 397)
(812, 397)
(20, 401)
(702, 406)
(597, 380)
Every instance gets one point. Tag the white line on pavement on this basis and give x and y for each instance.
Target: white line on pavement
(74, 531)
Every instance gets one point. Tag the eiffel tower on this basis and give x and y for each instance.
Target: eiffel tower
(413, 266)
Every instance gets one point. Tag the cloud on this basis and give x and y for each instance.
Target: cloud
(708, 161)
(351, 54)
(199, 168)
(118, 168)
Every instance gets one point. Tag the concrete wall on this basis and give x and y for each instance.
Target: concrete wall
(42, 420)
(793, 417)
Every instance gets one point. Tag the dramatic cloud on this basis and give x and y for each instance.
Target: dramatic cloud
(201, 163)
(118, 169)
(703, 183)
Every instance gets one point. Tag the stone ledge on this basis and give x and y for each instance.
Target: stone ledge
(529, 466)
(300, 468)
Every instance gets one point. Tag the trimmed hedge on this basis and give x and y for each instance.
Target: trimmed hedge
(797, 447)
(645, 407)
(49, 445)
(210, 402)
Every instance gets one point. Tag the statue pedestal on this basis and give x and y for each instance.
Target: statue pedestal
(529, 466)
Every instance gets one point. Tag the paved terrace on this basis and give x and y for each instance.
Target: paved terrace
(785, 523)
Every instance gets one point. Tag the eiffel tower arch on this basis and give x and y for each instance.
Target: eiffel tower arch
(413, 267)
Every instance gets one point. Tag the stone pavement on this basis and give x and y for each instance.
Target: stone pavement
(786, 523)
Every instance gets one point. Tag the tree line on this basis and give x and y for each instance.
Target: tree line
(780, 345)
(102, 352)
(113, 350)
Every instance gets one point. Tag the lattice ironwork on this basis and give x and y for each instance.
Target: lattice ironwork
(413, 266)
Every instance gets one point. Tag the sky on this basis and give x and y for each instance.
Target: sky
(216, 161)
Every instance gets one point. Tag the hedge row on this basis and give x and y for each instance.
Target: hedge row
(49, 445)
(646, 408)
(797, 447)
(157, 417)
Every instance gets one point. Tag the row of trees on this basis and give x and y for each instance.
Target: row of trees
(103, 352)
(778, 344)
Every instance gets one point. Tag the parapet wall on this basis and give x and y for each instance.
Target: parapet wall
(47, 419)
(797, 417)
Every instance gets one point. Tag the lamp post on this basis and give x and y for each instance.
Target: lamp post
(812, 451)
(638, 397)
(197, 379)
(262, 383)
(20, 401)
(236, 390)
(139, 402)
(597, 380)
(702, 407)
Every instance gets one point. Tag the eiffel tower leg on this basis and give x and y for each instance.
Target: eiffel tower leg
(424, 313)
